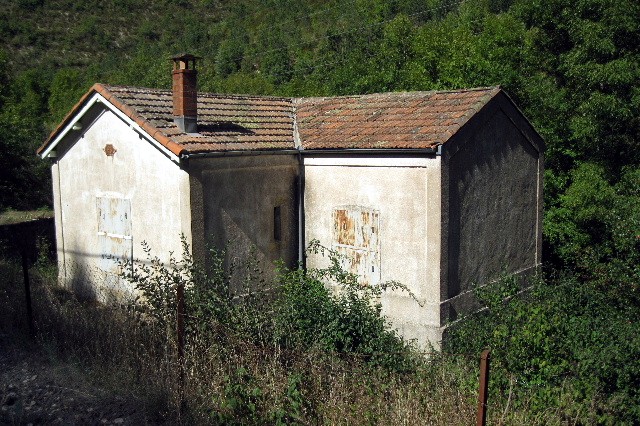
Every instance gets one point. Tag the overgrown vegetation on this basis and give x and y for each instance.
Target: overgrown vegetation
(297, 311)
(233, 374)
(563, 353)
(564, 338)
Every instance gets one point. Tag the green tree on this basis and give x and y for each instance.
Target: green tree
(591, 49)
(24, 180)
(66, 88)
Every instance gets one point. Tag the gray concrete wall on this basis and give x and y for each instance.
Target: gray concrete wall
(382, 212)
(107, 205)
(239, 196)
(493, 201)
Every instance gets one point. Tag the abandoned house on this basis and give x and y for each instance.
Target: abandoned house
(437, 190)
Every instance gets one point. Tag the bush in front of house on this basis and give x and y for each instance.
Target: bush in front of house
(233, 313)
(295, 312)
(347, 319)
(566, 344)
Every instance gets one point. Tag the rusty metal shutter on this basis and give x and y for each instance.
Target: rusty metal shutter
(356, 236)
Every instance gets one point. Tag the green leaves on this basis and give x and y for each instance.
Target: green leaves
(562, 334)
(241, 401)
(299, 312)
(345, 320)
(595, 58)
(594, 226)
(67, 86)
(23, 178)
(572, 66)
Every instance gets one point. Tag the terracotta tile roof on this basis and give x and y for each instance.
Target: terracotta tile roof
(225, 122)
(388, 120)
(256, 123)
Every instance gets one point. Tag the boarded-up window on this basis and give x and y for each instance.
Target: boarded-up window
(114, 232)
(356, 237)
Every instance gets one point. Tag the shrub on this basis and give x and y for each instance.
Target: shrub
(307, 314)
(299, 313)
(563, 334)
(210, 300)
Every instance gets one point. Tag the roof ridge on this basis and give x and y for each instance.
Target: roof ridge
(119, 87)
(404, 92)
(296, 99)
(241, 96)
(123, 86)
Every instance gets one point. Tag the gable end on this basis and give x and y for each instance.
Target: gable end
(98, 94)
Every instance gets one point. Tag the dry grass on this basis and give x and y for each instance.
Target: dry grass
(227, 379)
(224, 374)
(10, 217)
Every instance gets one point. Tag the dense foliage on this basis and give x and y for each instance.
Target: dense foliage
(572, 66)
(564, 335)
(296, 311)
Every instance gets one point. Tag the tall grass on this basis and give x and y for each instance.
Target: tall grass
(229, 376)
(226, 378)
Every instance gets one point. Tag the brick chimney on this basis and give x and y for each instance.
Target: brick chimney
(185, 92)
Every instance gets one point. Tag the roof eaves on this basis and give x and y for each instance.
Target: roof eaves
(67, 119)
(149, 128)
(371, 151)
(99, 89)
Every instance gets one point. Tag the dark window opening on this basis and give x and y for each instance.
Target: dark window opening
(277, 223)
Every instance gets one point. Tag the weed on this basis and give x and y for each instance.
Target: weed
(312, 356)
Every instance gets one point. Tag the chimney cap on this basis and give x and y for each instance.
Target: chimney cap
(184, 61)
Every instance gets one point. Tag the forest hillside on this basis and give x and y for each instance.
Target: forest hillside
(573, 67)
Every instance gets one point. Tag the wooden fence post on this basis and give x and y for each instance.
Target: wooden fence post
(23, 235)
(180, 338)
(483, 390)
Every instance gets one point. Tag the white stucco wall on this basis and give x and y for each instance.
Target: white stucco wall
(404, 192)
(138, 176)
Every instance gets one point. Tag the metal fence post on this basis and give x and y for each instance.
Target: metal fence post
(27, 291)
(483, 390)
(180, 321)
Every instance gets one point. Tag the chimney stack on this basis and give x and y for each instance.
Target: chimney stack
(185, 92)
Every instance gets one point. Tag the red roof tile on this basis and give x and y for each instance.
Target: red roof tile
(410, 120)
(225, 122)
(389, 120)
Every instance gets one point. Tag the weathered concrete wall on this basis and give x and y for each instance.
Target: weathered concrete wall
(108, 204)
(493, 205)
(385, 213)
(249, 206)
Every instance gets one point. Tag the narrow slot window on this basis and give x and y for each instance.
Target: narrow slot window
(277, 223)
